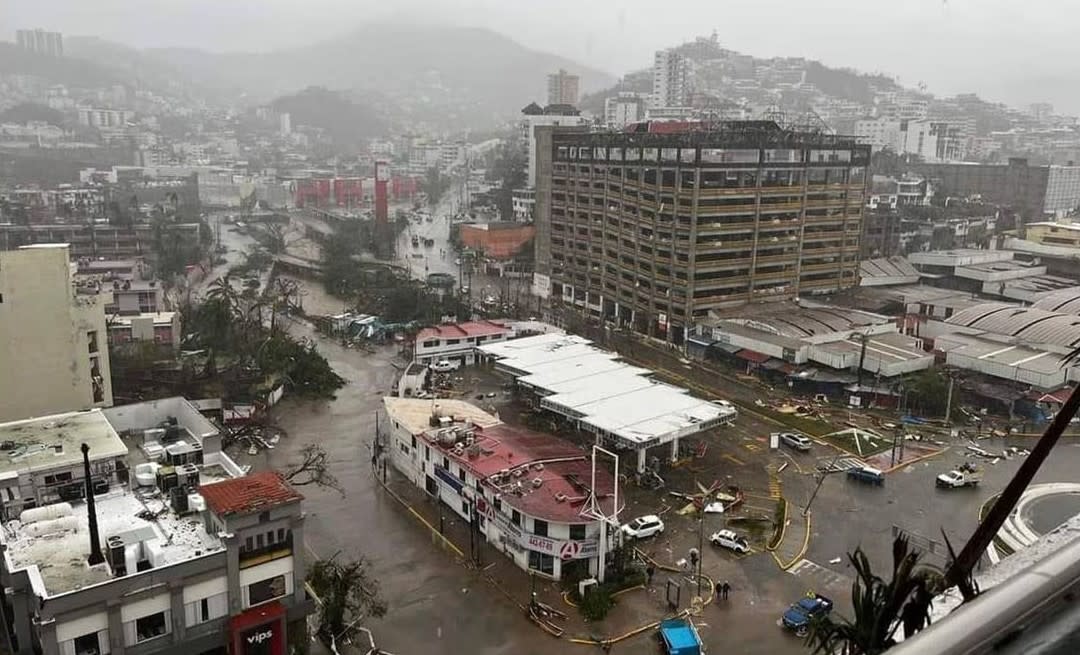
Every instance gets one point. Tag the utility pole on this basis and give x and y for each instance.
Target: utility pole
(862, 359)
(820, 480)
(948, 402)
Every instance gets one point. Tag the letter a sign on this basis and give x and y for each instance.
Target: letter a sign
(569, 550)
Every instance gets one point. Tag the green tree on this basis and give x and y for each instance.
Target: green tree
(880, 607)
(349, 594)
(928, 392)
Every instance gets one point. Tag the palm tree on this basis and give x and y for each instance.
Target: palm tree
(880, 607)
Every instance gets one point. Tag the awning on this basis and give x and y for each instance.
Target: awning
(752, 356)
(778, 365)
(1052, 397)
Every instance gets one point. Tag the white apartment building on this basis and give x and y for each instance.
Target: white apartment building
(625, 108)
(672, 79)
(901, 136)
(532, 116)
(457, 342)
(94, 117)
(52, 338)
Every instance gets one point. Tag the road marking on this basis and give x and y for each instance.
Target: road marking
(820, 575)
(752, 447)
(732, 458)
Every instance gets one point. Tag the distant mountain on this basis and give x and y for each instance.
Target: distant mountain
(59, 70)
(468, 76)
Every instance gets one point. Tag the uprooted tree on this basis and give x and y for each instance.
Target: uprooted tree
(348, 595)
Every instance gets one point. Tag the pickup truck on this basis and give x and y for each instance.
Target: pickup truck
(680, 637)
(956, 479)
(798, 617)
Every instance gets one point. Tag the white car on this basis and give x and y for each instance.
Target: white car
(444, 366)
(728, 539)
(795, 440)
(643, 526)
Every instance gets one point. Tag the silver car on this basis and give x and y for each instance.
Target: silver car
(795, 440)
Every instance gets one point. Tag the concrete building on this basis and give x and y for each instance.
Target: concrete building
(162, 328)
(41, 42)
(183, 571)
(457, 342)
(527, 493)
(654, 230)
(589, 388)
(625, 108)
(672, 79)
(98, 117)
(52, 338)
(562, 88)
(1051, 233)
(108, 241)
(891, 192)
(533, 116)
(524, 204)
(1025, 188)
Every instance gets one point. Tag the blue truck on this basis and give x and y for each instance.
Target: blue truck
(680, 637)
(798, 617)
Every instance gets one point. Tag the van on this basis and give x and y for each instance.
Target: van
(866, 474)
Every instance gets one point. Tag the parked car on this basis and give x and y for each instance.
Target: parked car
(866, 474)
(445, 366)
(643, 526)
(728, 539)
(957, 479)
(798, 617)
(795, 440)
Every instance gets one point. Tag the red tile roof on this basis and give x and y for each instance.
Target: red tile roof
(462, 330)
(252, 493)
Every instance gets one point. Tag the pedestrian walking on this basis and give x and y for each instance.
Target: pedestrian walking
(719, 590)
(649, 571)
(725, 588)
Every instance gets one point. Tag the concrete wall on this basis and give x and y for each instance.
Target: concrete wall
(45, 336)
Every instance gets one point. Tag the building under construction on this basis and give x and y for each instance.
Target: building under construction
(652, 228)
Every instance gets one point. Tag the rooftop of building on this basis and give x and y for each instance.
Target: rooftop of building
(1030, 324)
(538, 474)
(415, 414)
(159, 318)
(891, 347)
(49, 442)
(57, 549)
(619, 401)
(1038, 287)
(257, 492)
(751, 134)
(796, 320)
(886, 271)
(1072, 227)
(462, 330)
(994, 351)
(959, 257)
(1064, 301)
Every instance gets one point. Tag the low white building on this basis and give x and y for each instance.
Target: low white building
(457, 342)
(526, 493)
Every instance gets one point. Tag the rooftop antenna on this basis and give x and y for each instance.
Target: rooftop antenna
(95, 541)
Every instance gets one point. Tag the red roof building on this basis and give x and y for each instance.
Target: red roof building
(257, 492)
(457, 341)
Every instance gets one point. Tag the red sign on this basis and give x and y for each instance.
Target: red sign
(570, 550)
(259, 631)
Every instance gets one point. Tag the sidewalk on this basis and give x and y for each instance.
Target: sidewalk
(796, 538)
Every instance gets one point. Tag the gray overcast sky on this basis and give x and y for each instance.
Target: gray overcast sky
(1008, 50)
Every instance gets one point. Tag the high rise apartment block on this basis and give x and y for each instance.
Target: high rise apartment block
(41, 42)
(653, 230)
(672, 79)
(562, 88)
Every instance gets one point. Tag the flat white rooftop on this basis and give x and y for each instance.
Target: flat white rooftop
(54, 441)
(60, 556)
(588, 384)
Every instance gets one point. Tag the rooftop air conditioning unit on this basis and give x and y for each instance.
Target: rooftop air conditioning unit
(519, 472)
(560, 497)
(537, 483)
(539, 466)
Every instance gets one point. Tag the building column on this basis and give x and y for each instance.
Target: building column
(116, 627)
(20, 604)
(641, 459)
(299, 558)
(232, 572)
(47, 634)
(674, 450)
(176, 604)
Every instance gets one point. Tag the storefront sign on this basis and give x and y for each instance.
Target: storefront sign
(448, 478)
(258, 631)
(566, 549)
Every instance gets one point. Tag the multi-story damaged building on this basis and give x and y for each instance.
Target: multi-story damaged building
(654, 229)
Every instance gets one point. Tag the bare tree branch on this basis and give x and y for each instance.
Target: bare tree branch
(312, 469)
